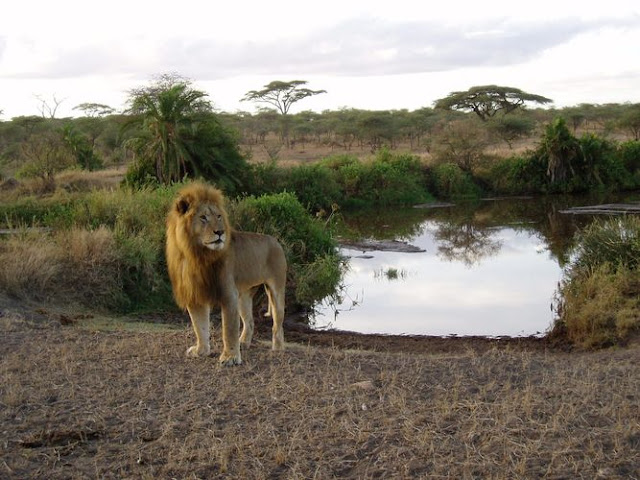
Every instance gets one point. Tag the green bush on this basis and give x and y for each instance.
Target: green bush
(448, 180)
(629, 153)
(315, 186)
(516, 175)
(390, 179)
(598, 165)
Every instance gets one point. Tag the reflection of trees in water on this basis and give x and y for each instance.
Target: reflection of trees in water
(465, 242)
(467, 231)
(385, 224)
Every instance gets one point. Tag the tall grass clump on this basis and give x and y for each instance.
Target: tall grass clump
(599, 298)
(75, 266)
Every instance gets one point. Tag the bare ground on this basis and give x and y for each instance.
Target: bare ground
(77, 402)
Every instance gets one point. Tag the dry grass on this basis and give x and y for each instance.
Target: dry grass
(75, 265)
(67, 181)
(82, 404)
(83, 181)
(602, 307)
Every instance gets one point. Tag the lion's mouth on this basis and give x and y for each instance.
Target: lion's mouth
(215, 244)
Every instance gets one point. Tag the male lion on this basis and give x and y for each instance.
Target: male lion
(210, 264)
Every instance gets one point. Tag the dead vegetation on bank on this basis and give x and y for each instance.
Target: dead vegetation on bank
(78, 403)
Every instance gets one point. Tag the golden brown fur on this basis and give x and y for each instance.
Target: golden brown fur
(212, 265)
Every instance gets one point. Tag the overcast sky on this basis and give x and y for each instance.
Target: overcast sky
(366, 53)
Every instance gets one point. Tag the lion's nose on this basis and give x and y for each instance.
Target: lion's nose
(219, 232)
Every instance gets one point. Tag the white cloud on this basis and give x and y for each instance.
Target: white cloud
(411, 49)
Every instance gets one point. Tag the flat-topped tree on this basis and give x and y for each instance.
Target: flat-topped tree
(486, 101)
(282, 95)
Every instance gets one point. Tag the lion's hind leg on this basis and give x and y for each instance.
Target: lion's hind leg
(245, 306)
(276, 306)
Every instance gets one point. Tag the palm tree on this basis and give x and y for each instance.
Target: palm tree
(561, 149)
(177, 135)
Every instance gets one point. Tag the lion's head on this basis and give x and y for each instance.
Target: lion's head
(198, 236)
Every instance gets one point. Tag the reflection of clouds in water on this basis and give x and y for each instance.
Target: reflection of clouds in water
(506, 293)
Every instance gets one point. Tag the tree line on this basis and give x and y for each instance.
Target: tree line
(170, 130)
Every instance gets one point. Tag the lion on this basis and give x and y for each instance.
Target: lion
(211, 265)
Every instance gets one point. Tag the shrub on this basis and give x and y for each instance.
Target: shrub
(598, 164)
(448, 180)
(390, 179)
(315, 186)
(515, 175)
(629, 153)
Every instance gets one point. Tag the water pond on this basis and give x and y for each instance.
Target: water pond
(490, 268)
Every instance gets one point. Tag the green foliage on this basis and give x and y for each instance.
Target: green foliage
(598, 164)
(388, 179)
(560, 148)
(316, 186)
(80, 148)
(629, 153)
(519, 174)
(512, 127)
(578, 165)
(448, 180)
(486, 101)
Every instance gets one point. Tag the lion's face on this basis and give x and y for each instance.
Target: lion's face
(209, 227)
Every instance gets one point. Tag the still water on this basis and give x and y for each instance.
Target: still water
(490, 268)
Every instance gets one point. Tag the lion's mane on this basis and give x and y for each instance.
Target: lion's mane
(194, 269)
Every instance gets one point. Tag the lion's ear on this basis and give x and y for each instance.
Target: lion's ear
(182, 206)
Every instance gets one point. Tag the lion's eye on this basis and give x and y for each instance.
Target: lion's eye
(203, 218)
(219, 217)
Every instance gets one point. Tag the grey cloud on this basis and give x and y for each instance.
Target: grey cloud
(374, 47)
(357, 47)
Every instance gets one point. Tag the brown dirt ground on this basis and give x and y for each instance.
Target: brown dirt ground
(81, 402)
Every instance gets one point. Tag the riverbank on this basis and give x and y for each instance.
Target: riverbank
(77, 402)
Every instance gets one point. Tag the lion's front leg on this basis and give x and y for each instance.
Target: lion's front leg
(230, 331)
(200, 321)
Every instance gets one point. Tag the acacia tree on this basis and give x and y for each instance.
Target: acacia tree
(488, 100)
(282, 95)
(176, 135)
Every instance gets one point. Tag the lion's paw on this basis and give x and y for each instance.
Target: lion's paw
(227, 360)
(195, 352)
